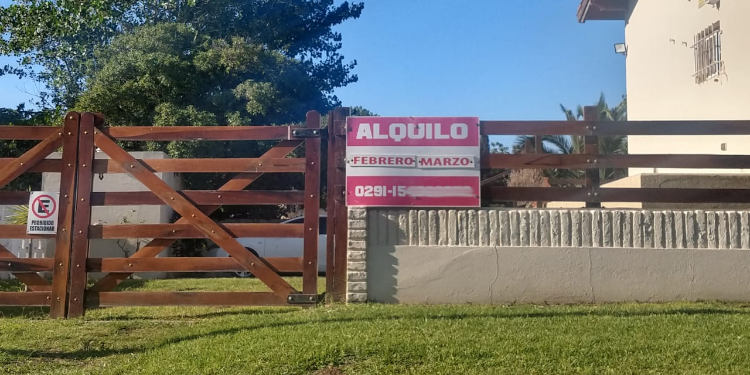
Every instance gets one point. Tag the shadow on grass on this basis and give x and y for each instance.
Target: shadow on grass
(83, 354)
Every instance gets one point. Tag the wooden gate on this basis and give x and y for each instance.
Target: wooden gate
(41, 292)
(72, 262)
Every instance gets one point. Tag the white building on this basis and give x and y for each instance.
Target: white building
(686, 60)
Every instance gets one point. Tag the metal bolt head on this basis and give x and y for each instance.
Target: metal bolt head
(84, 165)
(78, 266)
(252, 264)
(75, 299)
(59, 264)
(132, 165)
(69, 133)
(85, 132)
(219, 196)
(130, 264)
(57, 299)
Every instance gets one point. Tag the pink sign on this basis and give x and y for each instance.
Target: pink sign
(431, 191)
(412, 161)
(413, 131)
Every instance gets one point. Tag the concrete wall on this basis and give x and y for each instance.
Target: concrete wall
(660, 84)
(547, 256)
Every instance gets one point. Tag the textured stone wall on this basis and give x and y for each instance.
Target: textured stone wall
(356, 284)
(659, 229)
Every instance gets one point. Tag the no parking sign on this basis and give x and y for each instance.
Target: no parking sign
(43, 208)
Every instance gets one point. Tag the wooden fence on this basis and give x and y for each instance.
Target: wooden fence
(68, 294)
(591, 161)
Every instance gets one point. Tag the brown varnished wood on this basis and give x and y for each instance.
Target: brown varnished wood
(312, 206)
(156, 246)
(202, 197)
(194, 216)
(186, 264)
(177, 231)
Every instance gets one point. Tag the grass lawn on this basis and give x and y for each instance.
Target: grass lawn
(697, 338)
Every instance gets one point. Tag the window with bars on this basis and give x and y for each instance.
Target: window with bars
(707, 47)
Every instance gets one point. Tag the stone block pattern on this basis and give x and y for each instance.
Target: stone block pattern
(356, 266)
(646, 229)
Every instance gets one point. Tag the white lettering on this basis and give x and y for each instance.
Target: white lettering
(397, 132)
(439, 132)
(364, 131)
(376, 132)
(416, 131)
(459, 131)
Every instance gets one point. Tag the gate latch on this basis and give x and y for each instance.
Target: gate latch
(306, 133)
(302, 299)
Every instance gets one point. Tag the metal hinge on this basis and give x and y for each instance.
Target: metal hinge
(302, 299)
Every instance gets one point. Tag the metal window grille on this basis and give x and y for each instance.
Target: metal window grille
(707, 47)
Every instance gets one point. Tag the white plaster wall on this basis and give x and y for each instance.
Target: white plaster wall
(660, 83)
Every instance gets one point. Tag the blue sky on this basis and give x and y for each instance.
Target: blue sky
(498, 60)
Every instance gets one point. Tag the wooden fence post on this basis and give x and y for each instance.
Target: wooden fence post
(312, 206)
(591, 149)
(82, 218)
(337, 226)
(63, 241)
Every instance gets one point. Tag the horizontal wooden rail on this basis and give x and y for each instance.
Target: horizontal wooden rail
(49, 165)
(584, 161)
(190, 231)
(95, 299)
(603, 128)
(186, 264)
(277, 165)
(209, 133)
(19, 231)
(26, 265)
(651, 195)
(201, 197)
(25, 298)
(27, 133)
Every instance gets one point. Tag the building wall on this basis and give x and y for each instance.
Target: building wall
(660, 84)
(547, 256)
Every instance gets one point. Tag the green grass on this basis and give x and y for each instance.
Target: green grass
(684, 338)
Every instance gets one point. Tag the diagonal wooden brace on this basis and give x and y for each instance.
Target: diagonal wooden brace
(157, 245)
(193, 215)
(23, 163)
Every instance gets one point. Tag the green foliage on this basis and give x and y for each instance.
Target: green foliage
(19, 215)
(62, 36)
(16, 148)
(562, 144)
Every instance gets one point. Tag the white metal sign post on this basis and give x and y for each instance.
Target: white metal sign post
(43, 208)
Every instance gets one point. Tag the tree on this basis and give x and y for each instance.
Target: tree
(16, 148)
(56, 40)
(562, 144)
